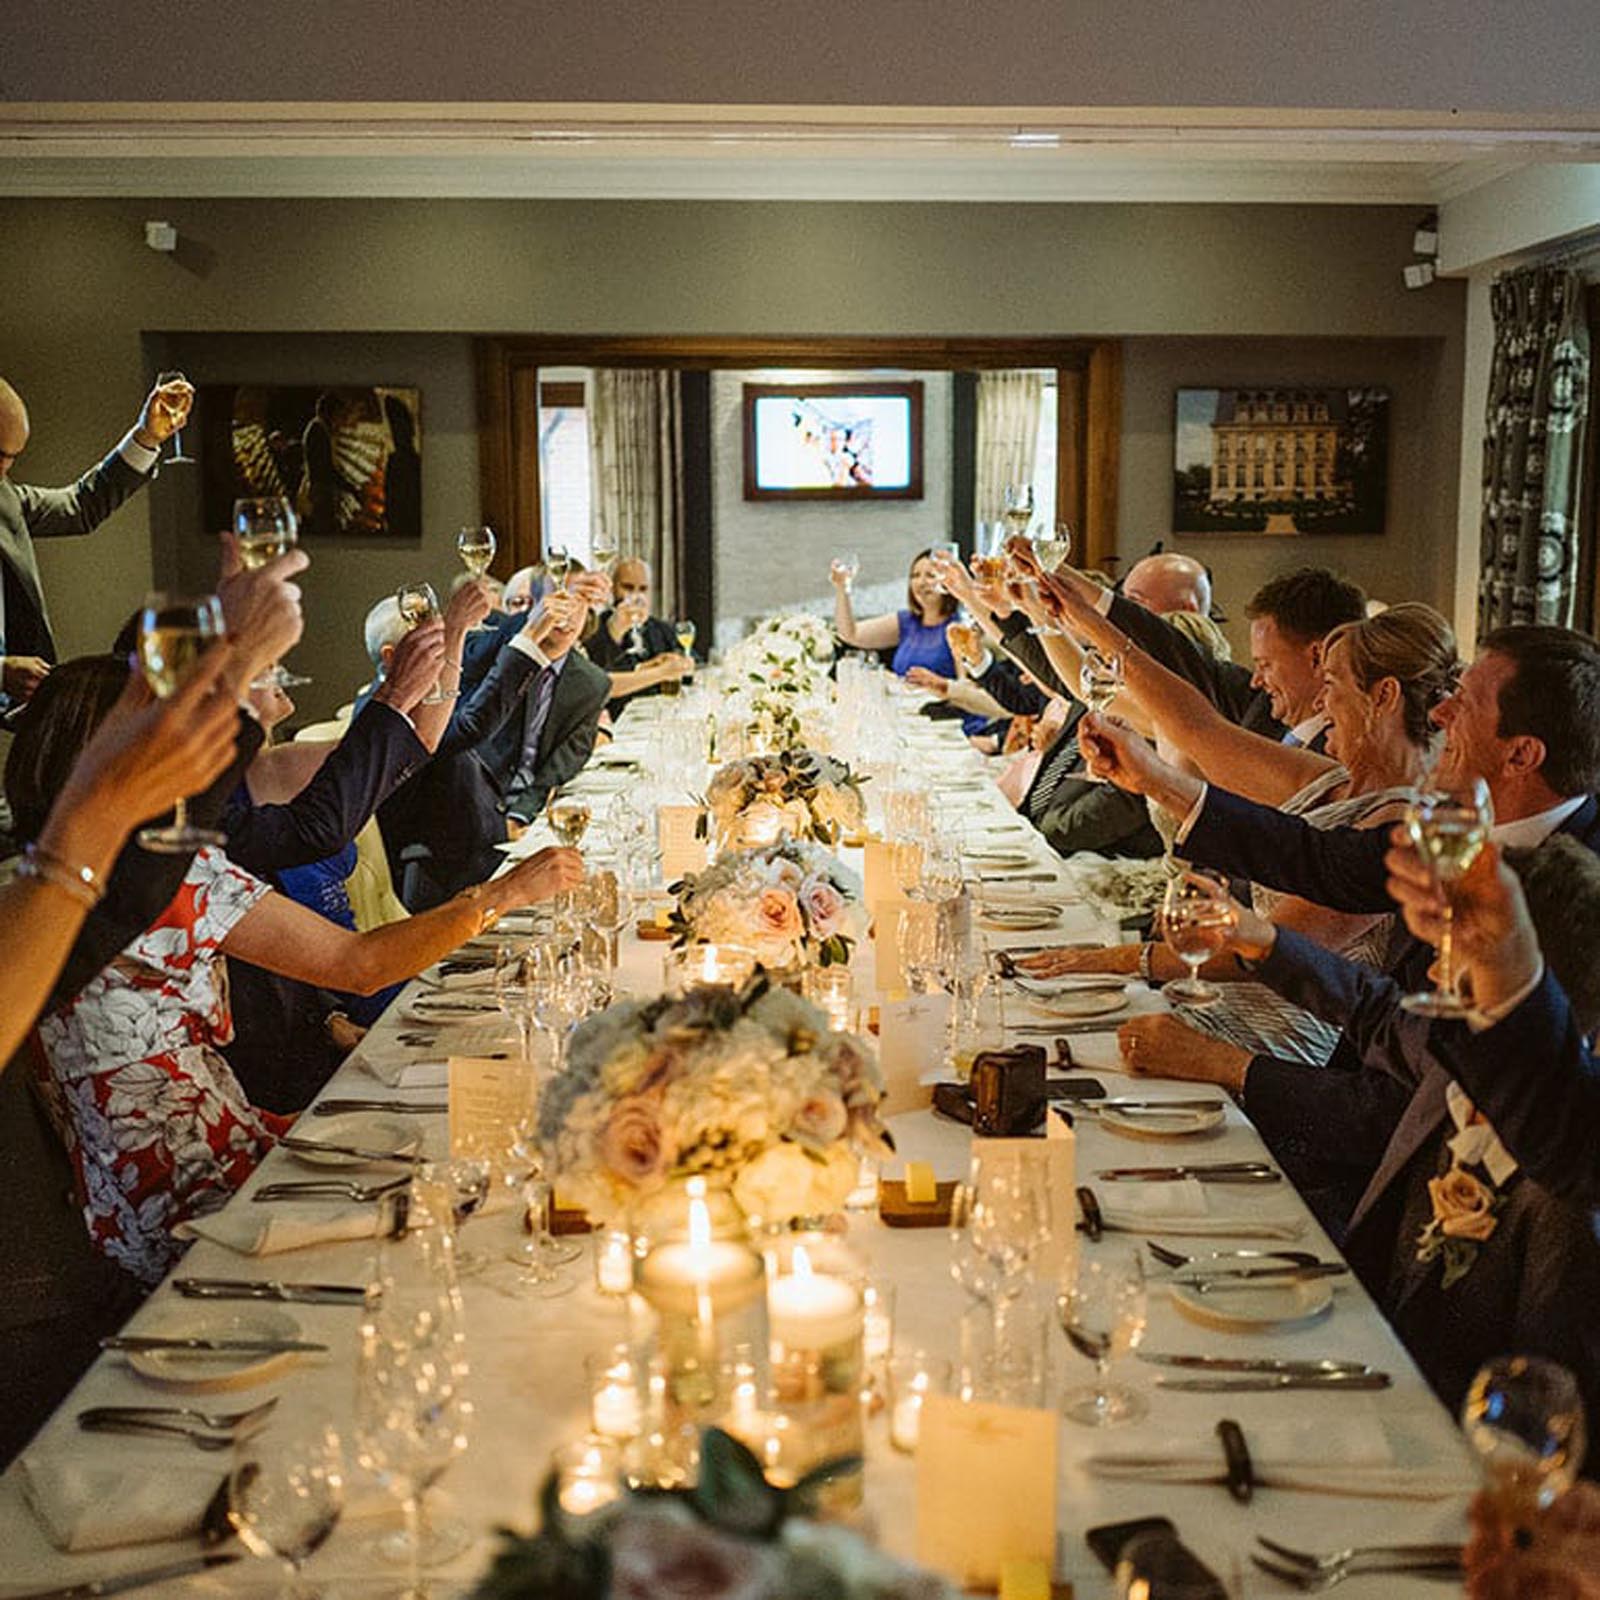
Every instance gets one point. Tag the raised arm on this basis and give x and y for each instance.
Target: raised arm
(876, 633)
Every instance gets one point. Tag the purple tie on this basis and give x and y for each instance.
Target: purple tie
(544, 689)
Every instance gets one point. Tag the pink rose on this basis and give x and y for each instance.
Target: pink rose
(1462, 1206)
(777, 915)
(820, 1119)
(654, 1559)
(824, 907)
(634, 1146)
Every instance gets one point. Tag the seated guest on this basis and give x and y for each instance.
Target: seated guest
(639, 650)
(986, 684)
(160, 1130)
(27, 646)
(1382, 679)
(444, 826)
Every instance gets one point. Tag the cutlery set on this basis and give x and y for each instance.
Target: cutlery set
(145, 1343)
(309, 1294)
(1311, 1574)
(171, 1572)
(1204, 1172)
(414, 1108)
(315, 1147)
(327, 1189)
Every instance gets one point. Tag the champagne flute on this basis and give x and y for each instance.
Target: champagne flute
(1449, 829)
(568, 816)
(286, 1493)
(848, 565)
(988, 562)
(605, 552)
(1053, 550)
(557, 564)
(1101, 1305)
(1099, 683)
(419, 603)
(1017, 512)
(513, 995)
(1197, 916)
(265, 527)
(1523, 1415)
(174, 632)
(476, 547)
(178, 414)
(686, 633)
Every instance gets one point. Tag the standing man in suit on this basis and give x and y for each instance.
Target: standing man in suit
(27, 645)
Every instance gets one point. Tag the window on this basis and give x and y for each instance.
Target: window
(1044, 460)
(564, 469)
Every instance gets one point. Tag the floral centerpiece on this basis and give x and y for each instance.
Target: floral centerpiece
(775, 674)
(733, 1536)
(802, 793)
(791, 903)
(798, 646)
(747, 1086)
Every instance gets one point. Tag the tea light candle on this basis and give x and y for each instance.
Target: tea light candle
(811, 1311)
(614, 1403)
(877, 1327)
(830, 989)
(586, 1476)
(613, 1261)
(708, 963)
(912, 1379)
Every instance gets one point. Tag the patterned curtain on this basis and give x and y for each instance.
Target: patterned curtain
(636, 458)
(1008, 436)
(1533, 449)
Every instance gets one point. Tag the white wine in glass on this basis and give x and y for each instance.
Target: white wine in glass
(557, 564)
(686, 633)
(1017, 513)
(174, 632)
(1053, 550)
(476, 547)
(265, 527)
(605, 553)
(568, 818)
(1197, 918)
(178, 411)
(1449, 829)
(419, 603)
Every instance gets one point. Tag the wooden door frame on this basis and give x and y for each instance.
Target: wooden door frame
(1088, 422)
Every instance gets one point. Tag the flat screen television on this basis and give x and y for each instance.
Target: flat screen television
(833, 441)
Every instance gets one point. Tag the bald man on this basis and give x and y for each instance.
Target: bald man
(1169, 582)
(638, 650)
(27, 645)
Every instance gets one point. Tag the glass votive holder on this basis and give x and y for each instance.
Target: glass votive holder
(831, 990)
(588, 1475)
(616, 1406)
(699, 964)
(913, 1376)
(613, 1261)
(877, 1326)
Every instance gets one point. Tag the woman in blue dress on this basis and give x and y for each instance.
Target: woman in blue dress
(916, 633)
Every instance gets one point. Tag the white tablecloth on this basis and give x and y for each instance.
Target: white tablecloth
(527, 1359)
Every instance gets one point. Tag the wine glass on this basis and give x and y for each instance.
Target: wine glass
(419, 603)
(926, 947)
(265, 527)
(1099, 677)
(454, 1190)
(1101, 1306)
(178, 413)
(557, 564)
(1197, 916)
(1017, 511)
(174, 631)
(1524, 1417)
(569, 816)
(605, 552)
(1054, 549)
(1008, 1218)
(940, 877)
(686, 633)
(286, 1493)
(540, 1255)
(848, 565)
(1449, 828)
(513, 994)
(476, 547)
(412, 1417)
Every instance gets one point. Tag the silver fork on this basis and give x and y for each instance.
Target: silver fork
(1315, 1580)
(1171, 1258)
(146, 1426)
(216, 1420)
(1344, 1558)
(327, 1189)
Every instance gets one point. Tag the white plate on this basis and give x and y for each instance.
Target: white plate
(1072, 983)
(367, 1130)
(1087, 1003)
(1173, 1125)
(1018, 919)
(997, 857)
(1256, 1310)
(200, 1373)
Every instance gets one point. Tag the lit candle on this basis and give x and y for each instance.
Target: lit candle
(586, 1476)
(614, 1404)
(877, 1328)
(613, 1261)
(811, 1311)
(912, 1378)
(703, 1275)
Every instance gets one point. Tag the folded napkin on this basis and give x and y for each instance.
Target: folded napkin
(479, 978)
(1188, 1206)
(269, 1230)
(1025, 896)
(1070, 983)
(398, 1069)
(1333, 1455)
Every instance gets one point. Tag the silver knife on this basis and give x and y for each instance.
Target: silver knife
(1269, 1382)
(316, 1147)
(1149, 1105)
(257, 1289)
(418, 1108)
(260, 1347)
(1241, 1277)
(1206, 1172)
(1303, 1368)
(136, 1580)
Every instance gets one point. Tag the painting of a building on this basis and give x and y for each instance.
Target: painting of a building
(1280, 460)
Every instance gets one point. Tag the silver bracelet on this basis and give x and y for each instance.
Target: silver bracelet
(82, 883)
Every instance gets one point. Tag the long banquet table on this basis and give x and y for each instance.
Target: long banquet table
(527, 1354)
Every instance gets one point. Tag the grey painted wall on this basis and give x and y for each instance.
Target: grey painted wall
(82, 294)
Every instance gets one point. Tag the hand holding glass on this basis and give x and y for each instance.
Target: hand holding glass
(1449, 829)
(1197, 917)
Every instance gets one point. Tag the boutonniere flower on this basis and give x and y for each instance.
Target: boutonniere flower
(1465, 1216)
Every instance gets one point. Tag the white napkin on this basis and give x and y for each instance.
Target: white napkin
(1025, 896)
(1334, 1455)
(482, 978)
(1067, 982)
(398, 1071)
(1186, 1206)
(139, 1496)
(269, 1230)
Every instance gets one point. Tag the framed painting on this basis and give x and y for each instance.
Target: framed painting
(1280, 459)
(348, 458)
(833, 441)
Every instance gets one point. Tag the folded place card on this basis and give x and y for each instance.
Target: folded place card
(879, 880)
(485, 1097)
(986, 1489)
(910, 1047)
(684, 842)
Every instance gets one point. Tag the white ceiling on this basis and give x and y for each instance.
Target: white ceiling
(779, 153)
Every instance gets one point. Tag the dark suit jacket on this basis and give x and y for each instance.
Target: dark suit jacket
(1074, 813)
(565, 742)
(1338, 867)
(28, 513)
(657, 638)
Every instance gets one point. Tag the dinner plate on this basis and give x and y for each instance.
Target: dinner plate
(1085, 1003)
(1166, 1125)
(994, 856)
(201, 1372)
(367, 1130)
(1260, 1309)
(1018, 919)
(1072, 983)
